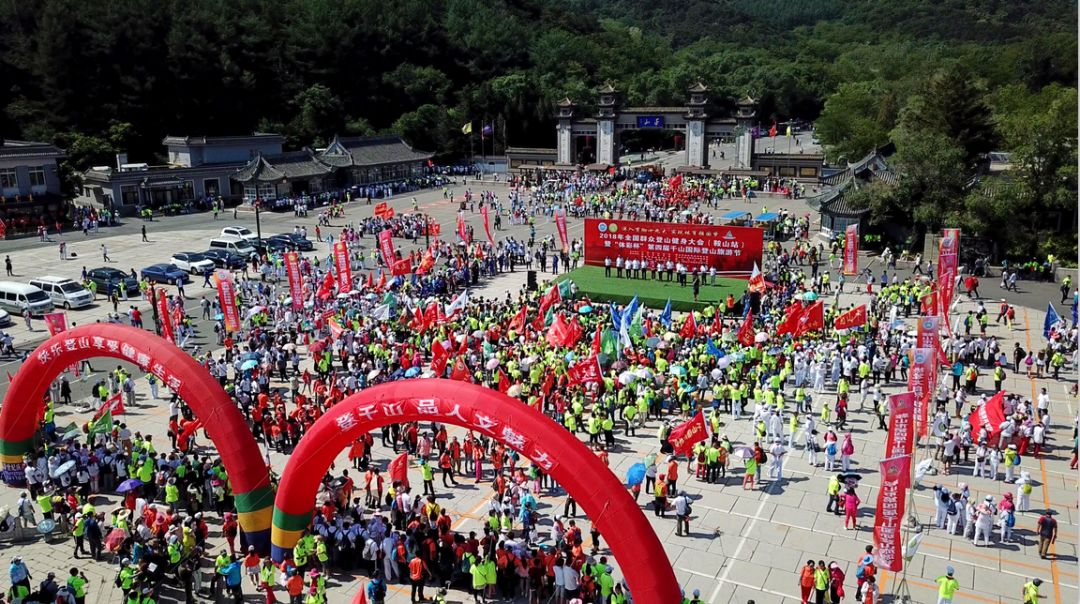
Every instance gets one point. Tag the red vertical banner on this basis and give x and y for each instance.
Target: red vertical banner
(56, 322)
(461, 230)
(296, 281)
(851, 249)
(164, 316)
(341, 265)
(487, 225)
(920, 384)
(948, 263)
(889, 516)
(227, 297)
(386, 248)
(560, 225)
(901, 418)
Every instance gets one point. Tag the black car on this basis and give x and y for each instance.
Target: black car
(296, 242)
(276, 245)
(225, 259)
(106, 279)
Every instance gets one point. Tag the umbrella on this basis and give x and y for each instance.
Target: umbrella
(62, 468)
(479, 333)
(374, 373)
(652, 342)
(317, 347)
(743, 452)
(492, 364)
(644, 373)
(663, 345)
(514, 390)
(219, 317)
(412, 372)
(627, 377)
(290, 346)
(850, 476)
(808, 296)
(716, 373)
(129, 485)
(249, 364)
(635, 474)
(678, 370)
(761, 337)
(650, 459)
(570, 356)
(254, 310)
(584, 310)
(721, 363)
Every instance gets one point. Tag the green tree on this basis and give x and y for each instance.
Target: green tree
(319, 115)
(953, 105)
(857, 119)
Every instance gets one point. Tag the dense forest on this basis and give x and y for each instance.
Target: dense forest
(950, 79)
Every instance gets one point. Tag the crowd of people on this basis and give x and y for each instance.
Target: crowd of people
(176, 526)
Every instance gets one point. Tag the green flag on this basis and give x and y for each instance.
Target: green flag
(103, 424)
(636, 331)
(607, 343)
(564, 288)
(549, 316)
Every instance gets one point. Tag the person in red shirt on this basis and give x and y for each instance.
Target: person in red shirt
(672, 474)
(418, 571)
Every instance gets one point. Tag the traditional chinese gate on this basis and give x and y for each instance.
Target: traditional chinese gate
(603, 498)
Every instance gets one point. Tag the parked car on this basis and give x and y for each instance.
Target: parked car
(243, 248)
(238, 232)
(297, 242)
(191, 262)
(164, 273)
(225, 259)
(5, 318)
(274, 244)
(64, 292)
(23, 299)
(106, 279)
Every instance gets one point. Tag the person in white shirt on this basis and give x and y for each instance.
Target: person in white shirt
(1043, 404)
(776, 463)
(570, 582)
(560, 581)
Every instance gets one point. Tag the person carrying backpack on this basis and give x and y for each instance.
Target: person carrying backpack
(376, 589)
(863, 572)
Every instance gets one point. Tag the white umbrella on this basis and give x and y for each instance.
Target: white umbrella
(743, 452)
(254, 310)
(716, 373)
(722, 363)
(64, 467)
(761, 337)
(514, 390)
(374, 373)
(644, 373)
(492, 364)
(427, 374)
(290, 346)
(627, 377)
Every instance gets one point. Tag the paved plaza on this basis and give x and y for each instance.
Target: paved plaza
(742, 545)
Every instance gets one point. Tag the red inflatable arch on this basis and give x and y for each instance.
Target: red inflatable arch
(600, 494)
(223, 422)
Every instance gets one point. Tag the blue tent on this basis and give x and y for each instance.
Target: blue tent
(767, 217)
(737, 215)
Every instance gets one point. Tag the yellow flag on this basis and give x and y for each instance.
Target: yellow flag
(467, 128)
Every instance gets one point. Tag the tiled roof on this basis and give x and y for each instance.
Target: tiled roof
(373, 150)
(343, 152)
(14, 149)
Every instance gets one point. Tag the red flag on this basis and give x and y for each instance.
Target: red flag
(342, 267)
(717, 322)
(431, 315)
(772, 130)
(370, 281)
(921, 382)
(990, 414)
(461, 230)
(585, 372)
(361, 596)
(487, 224)
(790, 321)
(187, 434)
(928, 303)
(335, 328)
(811, 319)
(757, 280)
(460, 371)
(384, 211)
(550, 298)
(560, 332)
(115, 403)
(549, 381)
(518, 322)
(56, 322)
(560, 226)
(684, 436)
(382, 281)
(464, 347)
(296, 280)
(399, 469)
(676, 181)
(439, 358)
(227, 297)
(851, 250)
(689, 326)
(596, 340)
(852, 318)
(504, 382)
(427, 262)
(163, 315)
(901, 424)
(746, 330)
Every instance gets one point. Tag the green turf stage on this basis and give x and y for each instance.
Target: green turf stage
(590, 280)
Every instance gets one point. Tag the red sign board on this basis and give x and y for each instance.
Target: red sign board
(728, 249)
(889, 517)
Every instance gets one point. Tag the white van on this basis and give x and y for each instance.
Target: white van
(238, 232)
(64, 292)
(21, 298)
(236, 246)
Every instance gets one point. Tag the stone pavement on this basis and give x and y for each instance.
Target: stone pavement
(743, 544)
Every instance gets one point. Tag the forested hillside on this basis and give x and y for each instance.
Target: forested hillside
(98, 77)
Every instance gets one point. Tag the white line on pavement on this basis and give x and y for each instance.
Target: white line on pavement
(738, 549)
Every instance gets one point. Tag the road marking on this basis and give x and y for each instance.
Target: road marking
(1045, 487)
(742, 543)
(741, 584)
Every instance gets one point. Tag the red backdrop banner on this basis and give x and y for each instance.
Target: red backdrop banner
(948, 263)
(851, 249)
(296, 282)
(889, 518)
(728, 249)
(920, 377)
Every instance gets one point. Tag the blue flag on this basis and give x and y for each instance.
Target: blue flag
(665, 317)
(1051, 319)
(711, 348)
(616, 317)
(629, 312)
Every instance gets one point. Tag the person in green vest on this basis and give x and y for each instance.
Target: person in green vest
(172, 493)
(630, 411)
(79, 533)
(44, 501)
(429, 477)
(321, 553)
(1031, 591)
(607, 424)
(125, 579)
(132, 597)
(947, 586)
(222, 560)
(77, 584)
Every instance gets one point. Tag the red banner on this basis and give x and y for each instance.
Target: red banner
(296, 281)
(921, 385)
(901, 417)
(560, 225)
(461, 230)
(948, 263)
(811, 319)
(399, 469)
(889, 518)
(728, 249)
(990, 414)
(746, 330)
(851, 249)
(684, 436)
(341, 265)
(585, 372)
(227, 297)
(56, 322)
(852, 318)
(164, 316)
(487, 225)
(384, 211)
